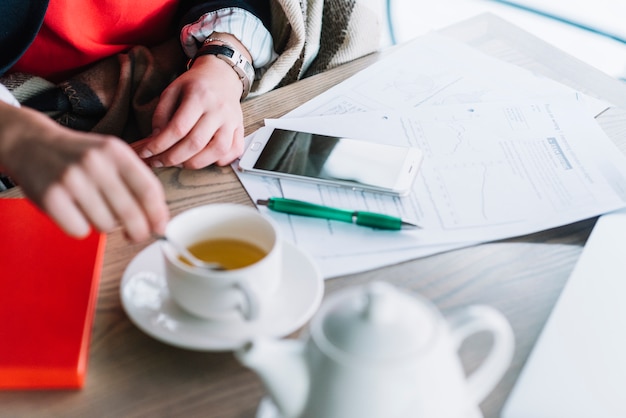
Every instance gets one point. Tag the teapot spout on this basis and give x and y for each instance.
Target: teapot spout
(281, 366)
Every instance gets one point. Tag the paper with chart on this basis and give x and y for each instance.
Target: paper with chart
(506, 154)
(436, 70)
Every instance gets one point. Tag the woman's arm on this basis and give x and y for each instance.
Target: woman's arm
(80, 179)
(198, 120)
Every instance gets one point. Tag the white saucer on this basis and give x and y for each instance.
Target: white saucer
(146, 300)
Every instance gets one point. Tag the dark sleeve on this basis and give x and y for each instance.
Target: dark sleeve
(191, 10)
(20, 21)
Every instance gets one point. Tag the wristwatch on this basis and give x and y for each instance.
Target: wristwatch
(232, 57)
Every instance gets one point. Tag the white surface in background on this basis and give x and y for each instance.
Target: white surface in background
(578, 366)
(415, 17)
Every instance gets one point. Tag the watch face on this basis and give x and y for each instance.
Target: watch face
(228, 52)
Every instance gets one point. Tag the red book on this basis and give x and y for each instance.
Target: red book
(48, 291)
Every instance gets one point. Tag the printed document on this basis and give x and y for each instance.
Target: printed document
(506, 154)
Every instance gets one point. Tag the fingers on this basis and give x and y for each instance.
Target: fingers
(231, 146)
(147, 192)
(198, 121)
(134, 195)
(61, 207)
(201, 147)
(82, 179)
(108, 187)
(171, 121)
(168, 102)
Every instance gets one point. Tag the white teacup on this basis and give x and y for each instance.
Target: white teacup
(224, 294)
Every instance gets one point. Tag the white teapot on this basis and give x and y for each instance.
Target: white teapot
(377, 352)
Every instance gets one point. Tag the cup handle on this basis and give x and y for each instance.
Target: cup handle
(250, 306)
(483, 318)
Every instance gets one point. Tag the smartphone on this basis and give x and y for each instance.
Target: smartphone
(332, 160)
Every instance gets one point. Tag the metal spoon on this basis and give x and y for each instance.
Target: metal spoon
(195, 261)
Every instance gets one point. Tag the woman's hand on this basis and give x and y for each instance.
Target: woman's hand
(80, 179)
(198, 121)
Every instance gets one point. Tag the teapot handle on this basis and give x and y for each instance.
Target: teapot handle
(479, 318)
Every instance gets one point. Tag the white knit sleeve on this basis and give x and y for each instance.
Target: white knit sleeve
(244, 25)
(6, 96)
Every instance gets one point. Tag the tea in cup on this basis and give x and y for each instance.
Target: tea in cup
(244, 242)
(228, 253)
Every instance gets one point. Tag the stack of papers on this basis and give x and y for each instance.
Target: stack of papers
(506, 153)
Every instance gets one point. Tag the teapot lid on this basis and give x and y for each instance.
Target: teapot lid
(377, 322)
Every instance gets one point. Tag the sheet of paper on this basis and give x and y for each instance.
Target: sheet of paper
(496, 173)
(434, 69)
(490, 171)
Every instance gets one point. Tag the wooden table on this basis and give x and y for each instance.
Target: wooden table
(131, 374)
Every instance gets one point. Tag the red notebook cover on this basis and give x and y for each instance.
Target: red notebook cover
(48, 291)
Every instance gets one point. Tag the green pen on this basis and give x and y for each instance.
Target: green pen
(373, 220)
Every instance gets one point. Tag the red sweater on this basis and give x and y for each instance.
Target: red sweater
(84, 32)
